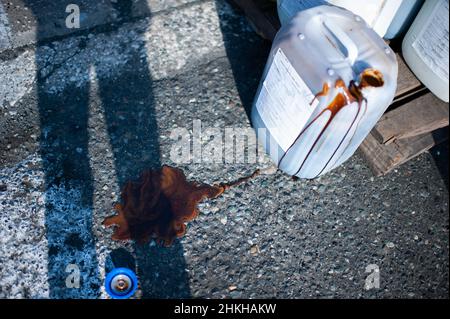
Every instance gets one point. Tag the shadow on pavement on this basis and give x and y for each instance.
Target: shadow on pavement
(247, 58)
(440, 153)
(128, 105)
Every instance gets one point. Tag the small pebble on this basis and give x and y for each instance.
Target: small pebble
(390, 245)
(254, 250)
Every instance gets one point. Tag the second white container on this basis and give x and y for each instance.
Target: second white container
(426, 47)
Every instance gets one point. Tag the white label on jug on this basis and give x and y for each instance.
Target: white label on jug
(432, 43)
(284, 101)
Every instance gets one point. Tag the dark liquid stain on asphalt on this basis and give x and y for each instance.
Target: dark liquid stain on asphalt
(160, 203)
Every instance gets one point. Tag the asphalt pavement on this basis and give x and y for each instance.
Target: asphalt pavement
(84, 110)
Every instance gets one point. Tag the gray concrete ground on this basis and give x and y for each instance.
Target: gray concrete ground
(83, 111)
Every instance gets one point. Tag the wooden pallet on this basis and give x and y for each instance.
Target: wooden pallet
(413, 123)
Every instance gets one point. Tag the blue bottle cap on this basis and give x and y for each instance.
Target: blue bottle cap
(121, 283)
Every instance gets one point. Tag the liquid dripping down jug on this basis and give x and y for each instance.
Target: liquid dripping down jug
(328, 80)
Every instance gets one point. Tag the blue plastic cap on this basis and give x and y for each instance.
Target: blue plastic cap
(125, 277)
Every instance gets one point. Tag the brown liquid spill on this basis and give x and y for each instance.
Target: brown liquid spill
(159, 205)
(353, 93)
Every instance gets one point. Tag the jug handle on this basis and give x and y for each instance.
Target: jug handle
(346, 41)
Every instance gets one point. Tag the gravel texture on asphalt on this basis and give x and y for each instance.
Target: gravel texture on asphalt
(84, 113)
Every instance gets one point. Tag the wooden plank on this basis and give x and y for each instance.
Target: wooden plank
(384, 158)
(407, 83)
(422, 115)
(262, 23)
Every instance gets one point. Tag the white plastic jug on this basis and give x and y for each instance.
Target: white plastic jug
(425, 47)
(379, 14)
(330, 53)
